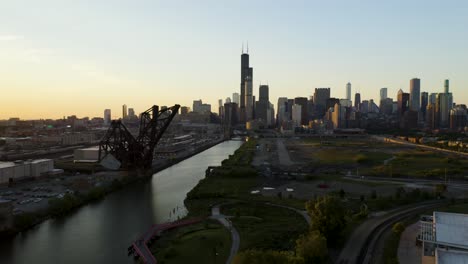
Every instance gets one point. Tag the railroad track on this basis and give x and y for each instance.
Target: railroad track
(369, 241)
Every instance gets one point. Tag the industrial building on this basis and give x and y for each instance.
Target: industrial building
(86, 154)
(24, 169)
(444, 238)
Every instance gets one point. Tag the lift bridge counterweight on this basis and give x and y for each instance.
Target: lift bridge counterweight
(137, 152)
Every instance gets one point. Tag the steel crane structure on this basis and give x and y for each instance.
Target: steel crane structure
(137, 152)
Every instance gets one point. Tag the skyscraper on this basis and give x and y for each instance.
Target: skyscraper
(443, 109)
(248, 100)
(357, 101)
(282, 109)
(449, 94)
(124, 111)
(236, 99)
(220, 108)
(107, 117)
(321, 95)
(197, 106)
(246, 77)
(446, 86)
(263, 104)
(383, 94)
(228, 100)
(131, 113)
(415, 94)
(424, 103)
(302, 101)
(263, 93)
(348, 91)
(297, 115)
(403, 102)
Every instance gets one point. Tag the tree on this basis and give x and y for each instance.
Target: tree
(440, 188)
(312, 247)
(266, 257)
(342, 193)
(328, 217)
(398, 228)
(399, 192)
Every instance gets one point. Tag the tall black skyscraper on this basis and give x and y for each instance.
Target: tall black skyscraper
(357, 100)
(424, 103)
(263, 104)
(246, 76)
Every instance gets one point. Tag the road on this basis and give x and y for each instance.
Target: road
(406, 143)
(283, 153)
(360, 245)
(216, 214)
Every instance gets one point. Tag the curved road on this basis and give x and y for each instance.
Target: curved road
(364, 237)
(216, 214)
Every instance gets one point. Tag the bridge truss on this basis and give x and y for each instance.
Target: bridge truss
(137, 152)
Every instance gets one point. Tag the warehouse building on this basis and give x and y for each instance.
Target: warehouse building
(86, 154)
(24, 169)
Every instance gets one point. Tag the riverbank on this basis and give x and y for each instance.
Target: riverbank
(58, 207)
(261, 225)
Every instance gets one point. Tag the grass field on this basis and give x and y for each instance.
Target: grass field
(201, 243)
(337, 156)
(266, 227)
(369, 157)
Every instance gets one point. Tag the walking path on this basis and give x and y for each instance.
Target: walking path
(216, 214)
(408, 252)
(301, 212)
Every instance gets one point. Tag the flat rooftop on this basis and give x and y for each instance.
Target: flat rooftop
(6, 164)
(96, 148)
(451, 228)
(444, 256)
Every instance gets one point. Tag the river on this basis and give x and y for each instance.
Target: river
(101, 232)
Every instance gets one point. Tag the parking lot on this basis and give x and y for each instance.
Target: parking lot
(34, 195)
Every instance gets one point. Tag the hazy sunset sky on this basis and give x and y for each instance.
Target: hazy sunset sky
(64, 57)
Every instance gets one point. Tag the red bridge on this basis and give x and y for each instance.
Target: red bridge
(139, 248)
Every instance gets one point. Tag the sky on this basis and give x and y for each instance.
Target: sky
(65, 57)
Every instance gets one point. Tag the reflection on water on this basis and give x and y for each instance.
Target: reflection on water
(101, 232)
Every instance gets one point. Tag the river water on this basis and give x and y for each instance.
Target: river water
(101, 232)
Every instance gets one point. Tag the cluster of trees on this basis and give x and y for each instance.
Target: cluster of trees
(310, 248)
(328, 224)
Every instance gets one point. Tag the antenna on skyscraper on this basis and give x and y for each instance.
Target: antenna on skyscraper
(247, 47)
(242, 47)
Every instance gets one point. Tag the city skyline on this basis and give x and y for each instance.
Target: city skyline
(142, 65)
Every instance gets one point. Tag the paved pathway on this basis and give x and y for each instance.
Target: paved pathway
(408, 252)
(301, 212)
(283, 153)
(216, 214)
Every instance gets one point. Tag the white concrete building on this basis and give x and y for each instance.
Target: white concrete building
(24, 169)
(445, 238)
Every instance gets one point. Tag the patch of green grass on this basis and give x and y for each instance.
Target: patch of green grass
(278, 228)
(423, 164)
(203, 243)
(349, 157)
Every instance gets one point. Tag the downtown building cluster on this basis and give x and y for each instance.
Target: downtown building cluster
(320, 112)
(244, 109)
